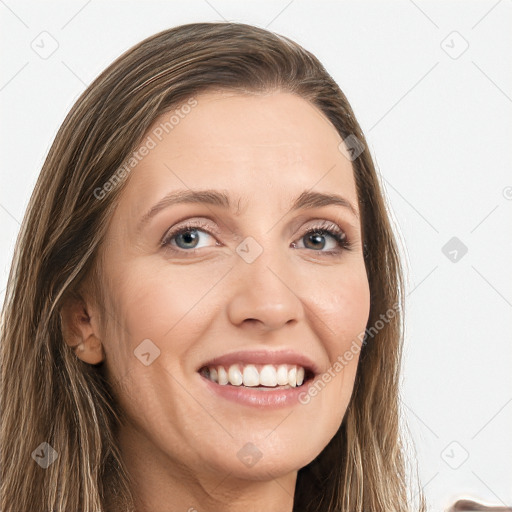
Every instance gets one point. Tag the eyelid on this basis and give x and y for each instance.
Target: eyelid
(191, 223)
(344, 243)
(300, 220)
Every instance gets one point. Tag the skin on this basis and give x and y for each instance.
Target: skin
(180, 441)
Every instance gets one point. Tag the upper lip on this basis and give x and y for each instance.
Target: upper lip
(263, 357)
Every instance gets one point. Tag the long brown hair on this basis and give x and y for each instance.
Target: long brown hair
(49, 395)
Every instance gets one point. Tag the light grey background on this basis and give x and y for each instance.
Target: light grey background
(437, 116)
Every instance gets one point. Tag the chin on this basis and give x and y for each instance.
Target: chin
(263, 458)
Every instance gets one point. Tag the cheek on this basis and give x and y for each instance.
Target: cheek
(343, 304)
(161, 304)
(158, 311)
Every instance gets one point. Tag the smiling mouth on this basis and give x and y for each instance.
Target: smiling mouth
(258, 376)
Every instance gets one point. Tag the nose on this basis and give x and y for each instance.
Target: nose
(267, 294)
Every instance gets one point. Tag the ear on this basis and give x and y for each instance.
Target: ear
(78, 331)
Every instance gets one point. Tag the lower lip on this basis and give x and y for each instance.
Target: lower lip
(261, 398)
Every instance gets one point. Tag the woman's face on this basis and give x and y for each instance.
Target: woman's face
(246, 283)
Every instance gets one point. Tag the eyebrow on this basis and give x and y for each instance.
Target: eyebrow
(307, 199)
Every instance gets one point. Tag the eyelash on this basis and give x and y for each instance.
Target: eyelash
(324, 228)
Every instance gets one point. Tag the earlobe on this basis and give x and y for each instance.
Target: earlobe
(90, 351)
(78, 332)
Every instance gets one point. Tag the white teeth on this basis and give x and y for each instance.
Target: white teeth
(223, 375)
(251, 377)
(292, 376)
(235, 375)
(282, 375)
(300, 375)
(268, 376)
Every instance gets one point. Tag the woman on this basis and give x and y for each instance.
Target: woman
(204, 310)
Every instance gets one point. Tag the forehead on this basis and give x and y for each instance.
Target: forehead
(257, 145)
